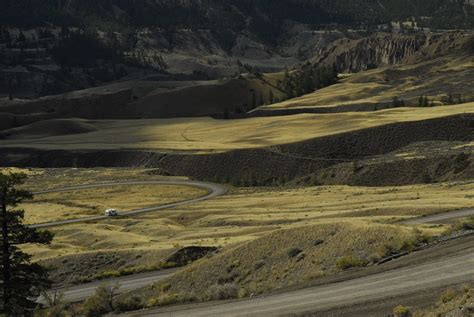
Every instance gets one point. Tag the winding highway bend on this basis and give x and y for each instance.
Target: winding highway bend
(447, 271)
(215, 190)
(128, 283)
(442, 217)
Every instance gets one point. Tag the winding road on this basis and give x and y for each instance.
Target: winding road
(214, 190)
(80, 292)
(451, 269)
(447, 271)
(441, 217)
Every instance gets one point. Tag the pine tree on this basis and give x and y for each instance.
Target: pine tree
(420, 101)
(426, 102)
(21, 37)
(21, 281)
(271, 97)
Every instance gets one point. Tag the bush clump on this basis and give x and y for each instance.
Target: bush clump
(102, 302)
(448, 295)
(129, 304)
(349, 261)
(224, 291)
(294, 252)
(402, 311)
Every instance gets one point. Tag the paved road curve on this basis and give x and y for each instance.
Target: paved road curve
(214, 191)
(452, 269)
(447, 271)
(127, 283)
(443, 217)
(77, 293)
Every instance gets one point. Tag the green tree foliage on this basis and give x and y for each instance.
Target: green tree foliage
(398, 102)
(271, 97)
(84, 49)
(102, 302)
(21, 281)
(307, 79)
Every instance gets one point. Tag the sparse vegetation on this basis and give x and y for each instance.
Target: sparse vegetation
(402, 311)
(236, 273)
(86, 202)
(349, 261)
(343, 119)
(226, 221)
(293, 252)
(448, 295)
(451, 303)
(222, 291)
(102, 302)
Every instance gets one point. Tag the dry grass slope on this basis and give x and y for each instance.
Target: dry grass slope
(436, 78)
(227, 222)
(204, 135)
(287, 257)
(93, 201)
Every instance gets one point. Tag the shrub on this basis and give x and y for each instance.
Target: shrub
(259, 264)
(102, 302)
(349, 261)
(170, 298)
(318, 242)
(466, 288)
(448, 295)
(224, 291)
(402, 311)
(128, 304)
(294, 252)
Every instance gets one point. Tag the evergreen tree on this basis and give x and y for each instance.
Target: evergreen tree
(21, 281)
(271, 97)
(420, 101)
(21, 37)
(426, 102)
(254, 100)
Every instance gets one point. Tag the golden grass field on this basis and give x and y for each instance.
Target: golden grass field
(433, 78)
(244, 214)
(94, 201)
(256, 230)
(287, 257)
(450, 303)
(202, 135)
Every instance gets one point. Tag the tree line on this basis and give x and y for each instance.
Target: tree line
(307, 79)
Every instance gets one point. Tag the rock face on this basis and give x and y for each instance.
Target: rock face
(383, 49)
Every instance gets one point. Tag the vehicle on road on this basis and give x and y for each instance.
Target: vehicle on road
(111, 212)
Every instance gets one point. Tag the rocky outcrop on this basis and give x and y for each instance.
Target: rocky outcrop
(382, 49)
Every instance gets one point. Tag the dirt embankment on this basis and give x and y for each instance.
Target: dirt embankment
(321, 156)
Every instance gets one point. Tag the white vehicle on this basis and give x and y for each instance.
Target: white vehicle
(111, 212)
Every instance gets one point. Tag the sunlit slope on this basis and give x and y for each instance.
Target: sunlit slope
(207, 135)
(437, 79)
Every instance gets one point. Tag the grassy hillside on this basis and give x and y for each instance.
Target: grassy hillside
(88, 202)
(222, 98)
(229, 222)
(142, 99)
(284, 258)
(444, 80)
(201, 135)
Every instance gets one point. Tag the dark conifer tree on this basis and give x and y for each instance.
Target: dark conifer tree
(21, 281)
